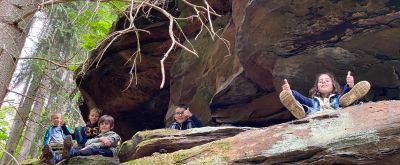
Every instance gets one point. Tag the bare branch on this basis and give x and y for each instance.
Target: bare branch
(47, 60)
(5, 101)
(21, 94)
(202, 14)
(9, 154)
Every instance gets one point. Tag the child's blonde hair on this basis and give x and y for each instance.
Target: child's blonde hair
(55, 113)
(336, 86)
(97, 110)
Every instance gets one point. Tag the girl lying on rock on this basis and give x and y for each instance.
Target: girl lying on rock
(326, 95)
(105, 144)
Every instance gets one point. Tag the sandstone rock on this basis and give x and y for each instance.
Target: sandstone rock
(298, 40)
(90, 160)
(196, 86)
(239, 83)
(146, 143)
(81, 160)
(107, 83)
(361, 134)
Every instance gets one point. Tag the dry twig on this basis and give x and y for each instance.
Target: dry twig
(203, 14)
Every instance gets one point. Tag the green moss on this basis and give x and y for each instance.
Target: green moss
(126, 147)
(196, 155)
(146, 142)
(146, 134)
(226, 146)
(31, 162)
(181, 156)
(210, 160)
(144, 138)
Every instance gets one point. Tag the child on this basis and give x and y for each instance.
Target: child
(184, 119)
(325, 95)
(91, 130)
(55, 134)
(105, 144)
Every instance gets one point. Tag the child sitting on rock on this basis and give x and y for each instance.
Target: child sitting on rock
(91, 129)
(104, 144)
(184, 119)
(325, 95)
(56, 133)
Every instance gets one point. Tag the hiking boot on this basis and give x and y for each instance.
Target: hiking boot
(67, 147)
(292, 104)
(358, 91)
(47, 155)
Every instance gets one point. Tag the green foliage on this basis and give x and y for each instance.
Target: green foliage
(71, 30)
(73, 67)
(3, 122)
(76, 96)
(4, 125)
(93, 25)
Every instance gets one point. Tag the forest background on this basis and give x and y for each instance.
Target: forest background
(59, 40)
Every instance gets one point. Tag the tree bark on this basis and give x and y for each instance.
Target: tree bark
(15, 17)
(33, 121)
(51, 105)
(21, 117)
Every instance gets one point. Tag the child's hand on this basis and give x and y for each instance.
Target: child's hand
(350, 79)
(187, 113)
(286, 85)
(105, 141)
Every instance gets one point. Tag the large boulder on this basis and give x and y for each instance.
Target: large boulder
(147, 143)
(136, 102)
(82, 160)
(238, 82)
(296, 40)
(361, 134)
(90, 160)
(132, 95)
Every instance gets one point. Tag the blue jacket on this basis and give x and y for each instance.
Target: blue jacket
(49, 130)
(192, 122)
(314, 104)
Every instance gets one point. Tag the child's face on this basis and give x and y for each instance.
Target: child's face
(56, 119)
(325, 85)
(179, 116)
(105, 127)
(93, 117)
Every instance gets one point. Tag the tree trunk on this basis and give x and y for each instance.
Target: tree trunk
(15, 17)
(33, 121)
(24, 90)
(51, 105)
(21, 117)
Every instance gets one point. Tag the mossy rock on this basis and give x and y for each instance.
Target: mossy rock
(153, 142)
(90, 160)
(30, 162)
(79, 160)
(185, 156)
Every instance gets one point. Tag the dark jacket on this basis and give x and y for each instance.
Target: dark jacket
(192, 122)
